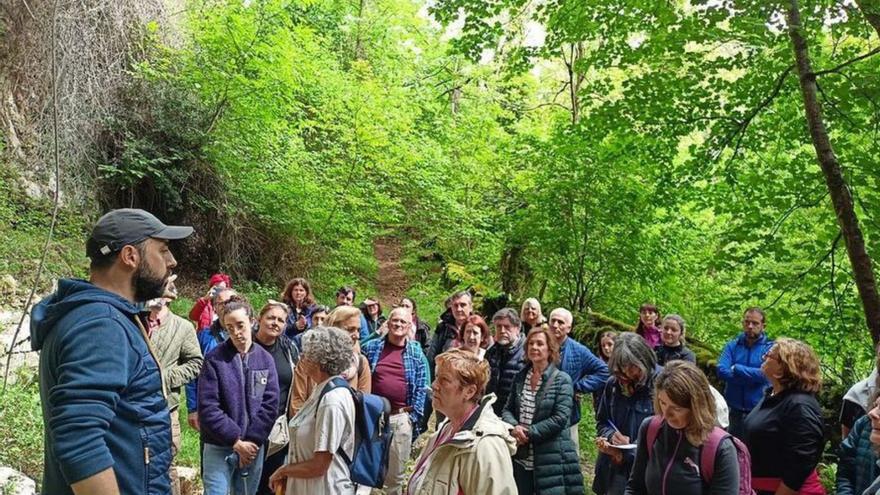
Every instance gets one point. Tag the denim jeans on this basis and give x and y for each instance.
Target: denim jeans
(222, 476)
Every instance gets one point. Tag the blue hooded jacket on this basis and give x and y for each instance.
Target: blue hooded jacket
(588, 373)
(746, 382)
(101, 392)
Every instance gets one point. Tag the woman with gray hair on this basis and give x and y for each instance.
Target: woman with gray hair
(672, 344)
(626, 401)
(324, 425)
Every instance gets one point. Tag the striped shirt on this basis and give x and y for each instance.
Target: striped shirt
(527, 413)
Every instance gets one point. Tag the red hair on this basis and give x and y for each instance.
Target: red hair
(480, 323)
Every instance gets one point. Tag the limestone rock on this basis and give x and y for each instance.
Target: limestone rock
(24, 363)
(14, 483)
(189, 480)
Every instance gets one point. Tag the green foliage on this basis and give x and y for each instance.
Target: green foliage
(689, 179)
(828, 476)
(188, 455)
(587, 437)
(21, 425)
(24, 223)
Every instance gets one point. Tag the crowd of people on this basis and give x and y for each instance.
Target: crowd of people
(277, 395)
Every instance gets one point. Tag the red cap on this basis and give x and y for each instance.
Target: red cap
(220, 277)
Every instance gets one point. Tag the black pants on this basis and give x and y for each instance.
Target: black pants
(524, 479)
(270, 464)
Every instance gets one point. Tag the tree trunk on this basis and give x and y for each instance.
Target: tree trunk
(359, 52)
(574, 79)
(840, 195)
(871, 10)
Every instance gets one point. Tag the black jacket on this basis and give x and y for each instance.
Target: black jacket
(664, 472)
(505, 362)
(445, 332)
(423, 334)
(784, 434)
(666, 354)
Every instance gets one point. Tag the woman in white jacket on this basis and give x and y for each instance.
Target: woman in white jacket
(471, 450)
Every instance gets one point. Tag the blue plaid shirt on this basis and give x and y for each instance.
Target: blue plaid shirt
(415, 371)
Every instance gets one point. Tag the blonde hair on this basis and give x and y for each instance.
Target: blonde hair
(687, 386)
(799, 364)
(340, 314)
(272, 304)
(531, 302)
(468, 368)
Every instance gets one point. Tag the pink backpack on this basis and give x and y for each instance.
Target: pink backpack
(707, 456)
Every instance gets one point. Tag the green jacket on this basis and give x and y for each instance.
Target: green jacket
(556, 464)
(179, 355)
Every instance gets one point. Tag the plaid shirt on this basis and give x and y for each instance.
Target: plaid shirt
(415, 371)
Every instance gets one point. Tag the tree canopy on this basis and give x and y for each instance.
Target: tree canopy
(595, 154)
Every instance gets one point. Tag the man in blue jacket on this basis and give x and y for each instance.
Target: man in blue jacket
(588, 373)
(107, 428)
(740, 368)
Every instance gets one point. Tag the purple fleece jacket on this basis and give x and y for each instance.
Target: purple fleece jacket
(238, 395)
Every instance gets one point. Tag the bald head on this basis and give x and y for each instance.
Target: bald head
(399, 326)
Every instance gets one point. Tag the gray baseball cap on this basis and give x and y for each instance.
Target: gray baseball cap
(127, 226)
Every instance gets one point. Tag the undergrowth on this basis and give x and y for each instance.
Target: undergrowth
(24, 223)
(21, 428)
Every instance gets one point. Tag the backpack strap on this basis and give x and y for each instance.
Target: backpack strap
(335, 382)
(653, 431)
(708, 453)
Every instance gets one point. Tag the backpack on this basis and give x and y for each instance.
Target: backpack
(707, 454)
(372, 437)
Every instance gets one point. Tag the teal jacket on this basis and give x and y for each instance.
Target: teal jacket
(101, 392)
(857, 462)
(556, 464)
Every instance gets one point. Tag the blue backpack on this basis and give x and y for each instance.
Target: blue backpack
(372, 435)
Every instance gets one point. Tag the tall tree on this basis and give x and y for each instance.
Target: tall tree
(841, 198)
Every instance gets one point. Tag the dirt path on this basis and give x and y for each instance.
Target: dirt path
(391, 280)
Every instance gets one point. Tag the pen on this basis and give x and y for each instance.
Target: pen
(611, 423)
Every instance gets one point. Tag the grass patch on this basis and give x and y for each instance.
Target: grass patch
(21, 427)
(587, 435)
(189, 441)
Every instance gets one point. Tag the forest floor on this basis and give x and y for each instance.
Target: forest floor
(391, 280)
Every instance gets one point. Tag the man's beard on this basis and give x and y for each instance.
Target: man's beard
(147, 285)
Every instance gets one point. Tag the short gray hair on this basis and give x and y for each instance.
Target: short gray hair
(330, 348)
(566, 314)
(630, 349)
(508, 314)
(462, 293)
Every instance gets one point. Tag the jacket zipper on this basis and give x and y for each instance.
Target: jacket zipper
(242, 361)
(669, 464)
